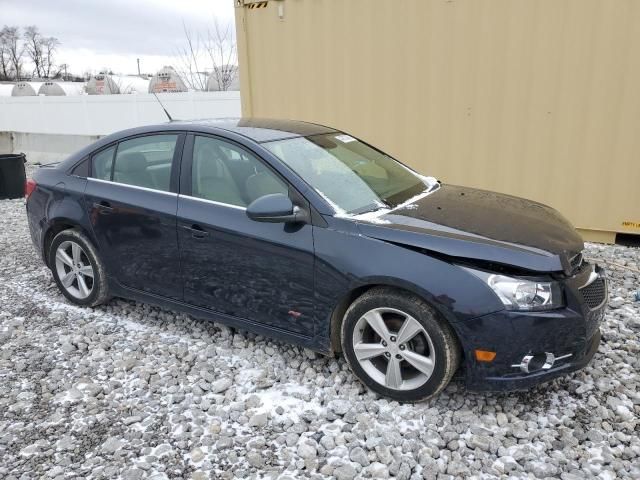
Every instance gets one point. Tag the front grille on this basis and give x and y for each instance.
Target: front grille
(594, 293)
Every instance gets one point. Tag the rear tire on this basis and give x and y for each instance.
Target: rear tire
(77, 269)
(398, 346)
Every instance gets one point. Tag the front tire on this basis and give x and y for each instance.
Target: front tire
(398, 346)
(77, 269)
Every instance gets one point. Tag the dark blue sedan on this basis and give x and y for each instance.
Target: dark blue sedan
(307, 234)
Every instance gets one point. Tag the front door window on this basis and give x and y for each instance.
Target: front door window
(224, 173)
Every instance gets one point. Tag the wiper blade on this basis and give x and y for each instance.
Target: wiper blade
(368, 209)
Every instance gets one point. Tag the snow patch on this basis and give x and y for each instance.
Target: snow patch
(374, 217)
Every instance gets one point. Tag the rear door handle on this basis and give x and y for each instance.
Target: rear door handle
(104, 208)
(196, 231)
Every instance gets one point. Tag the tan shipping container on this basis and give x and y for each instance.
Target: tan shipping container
(536, 98)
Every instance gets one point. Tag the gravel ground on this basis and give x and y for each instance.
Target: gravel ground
(132, 391)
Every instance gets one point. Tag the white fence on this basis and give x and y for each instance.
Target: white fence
(104, 114)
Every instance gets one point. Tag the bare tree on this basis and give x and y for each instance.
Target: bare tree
(12, 52)
(5, 69)
(223, 53)
(62, 72)
(40, 51)
(216, 56)
(49, 46)
(33, 47)
(190, 61)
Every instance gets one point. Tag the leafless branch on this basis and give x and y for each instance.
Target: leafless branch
(223, 54)
(189, 59)
(12, 52)
(40, 51)
(49, 46)
(215, 56)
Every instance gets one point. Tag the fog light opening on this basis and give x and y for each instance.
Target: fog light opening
(539, 361)
(533, 363)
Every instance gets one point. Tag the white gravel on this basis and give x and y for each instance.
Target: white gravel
(132, 391)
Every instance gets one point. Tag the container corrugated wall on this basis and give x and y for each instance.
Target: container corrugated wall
(535, 98)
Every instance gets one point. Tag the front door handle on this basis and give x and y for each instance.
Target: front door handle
(104, 208)
(196, 231)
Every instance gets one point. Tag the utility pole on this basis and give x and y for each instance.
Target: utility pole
(138, 66)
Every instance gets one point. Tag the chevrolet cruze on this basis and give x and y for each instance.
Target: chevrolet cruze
(307, 234)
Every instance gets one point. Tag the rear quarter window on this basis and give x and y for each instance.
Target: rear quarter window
(82, 169)
(101, 164)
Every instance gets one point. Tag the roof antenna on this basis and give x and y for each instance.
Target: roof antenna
(165, 110)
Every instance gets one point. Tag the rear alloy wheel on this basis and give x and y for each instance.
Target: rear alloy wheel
(398, 346)
(74, 269)
(77, 269)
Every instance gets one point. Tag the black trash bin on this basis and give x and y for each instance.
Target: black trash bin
(12, 175)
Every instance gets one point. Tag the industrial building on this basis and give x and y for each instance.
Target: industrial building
(534, 98)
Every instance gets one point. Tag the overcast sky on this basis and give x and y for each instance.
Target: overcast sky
(112, 33)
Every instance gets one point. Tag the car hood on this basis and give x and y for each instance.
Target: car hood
(478, 224)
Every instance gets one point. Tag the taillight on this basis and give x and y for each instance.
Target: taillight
(29, 186)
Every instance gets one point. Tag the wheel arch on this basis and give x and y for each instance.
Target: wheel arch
(337, 315)
(56, 226)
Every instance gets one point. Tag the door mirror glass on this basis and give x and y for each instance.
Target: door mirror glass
(274, 208)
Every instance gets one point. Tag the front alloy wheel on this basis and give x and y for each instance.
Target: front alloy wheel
(398, 345)
(394, 349)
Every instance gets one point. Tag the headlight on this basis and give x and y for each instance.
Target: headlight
(521, 294)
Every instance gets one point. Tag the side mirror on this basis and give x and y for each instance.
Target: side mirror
(275, 208)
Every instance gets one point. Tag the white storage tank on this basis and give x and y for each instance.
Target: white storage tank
(107, 84)
(26, 89)
(167, 80)
(59, 89)
(6, 89)
(231, 71)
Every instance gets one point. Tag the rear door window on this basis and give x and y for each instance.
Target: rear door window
(146, 161)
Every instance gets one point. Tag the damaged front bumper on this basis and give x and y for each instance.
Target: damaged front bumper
(535, 347)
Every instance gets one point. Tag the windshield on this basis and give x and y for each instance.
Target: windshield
(349, 174)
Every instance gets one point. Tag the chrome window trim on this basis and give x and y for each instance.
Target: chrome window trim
(173, 194)
(220, 204)
(99, 180)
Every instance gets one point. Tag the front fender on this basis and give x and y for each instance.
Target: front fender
(348, 261)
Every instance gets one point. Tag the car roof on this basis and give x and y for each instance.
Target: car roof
(258, 129)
